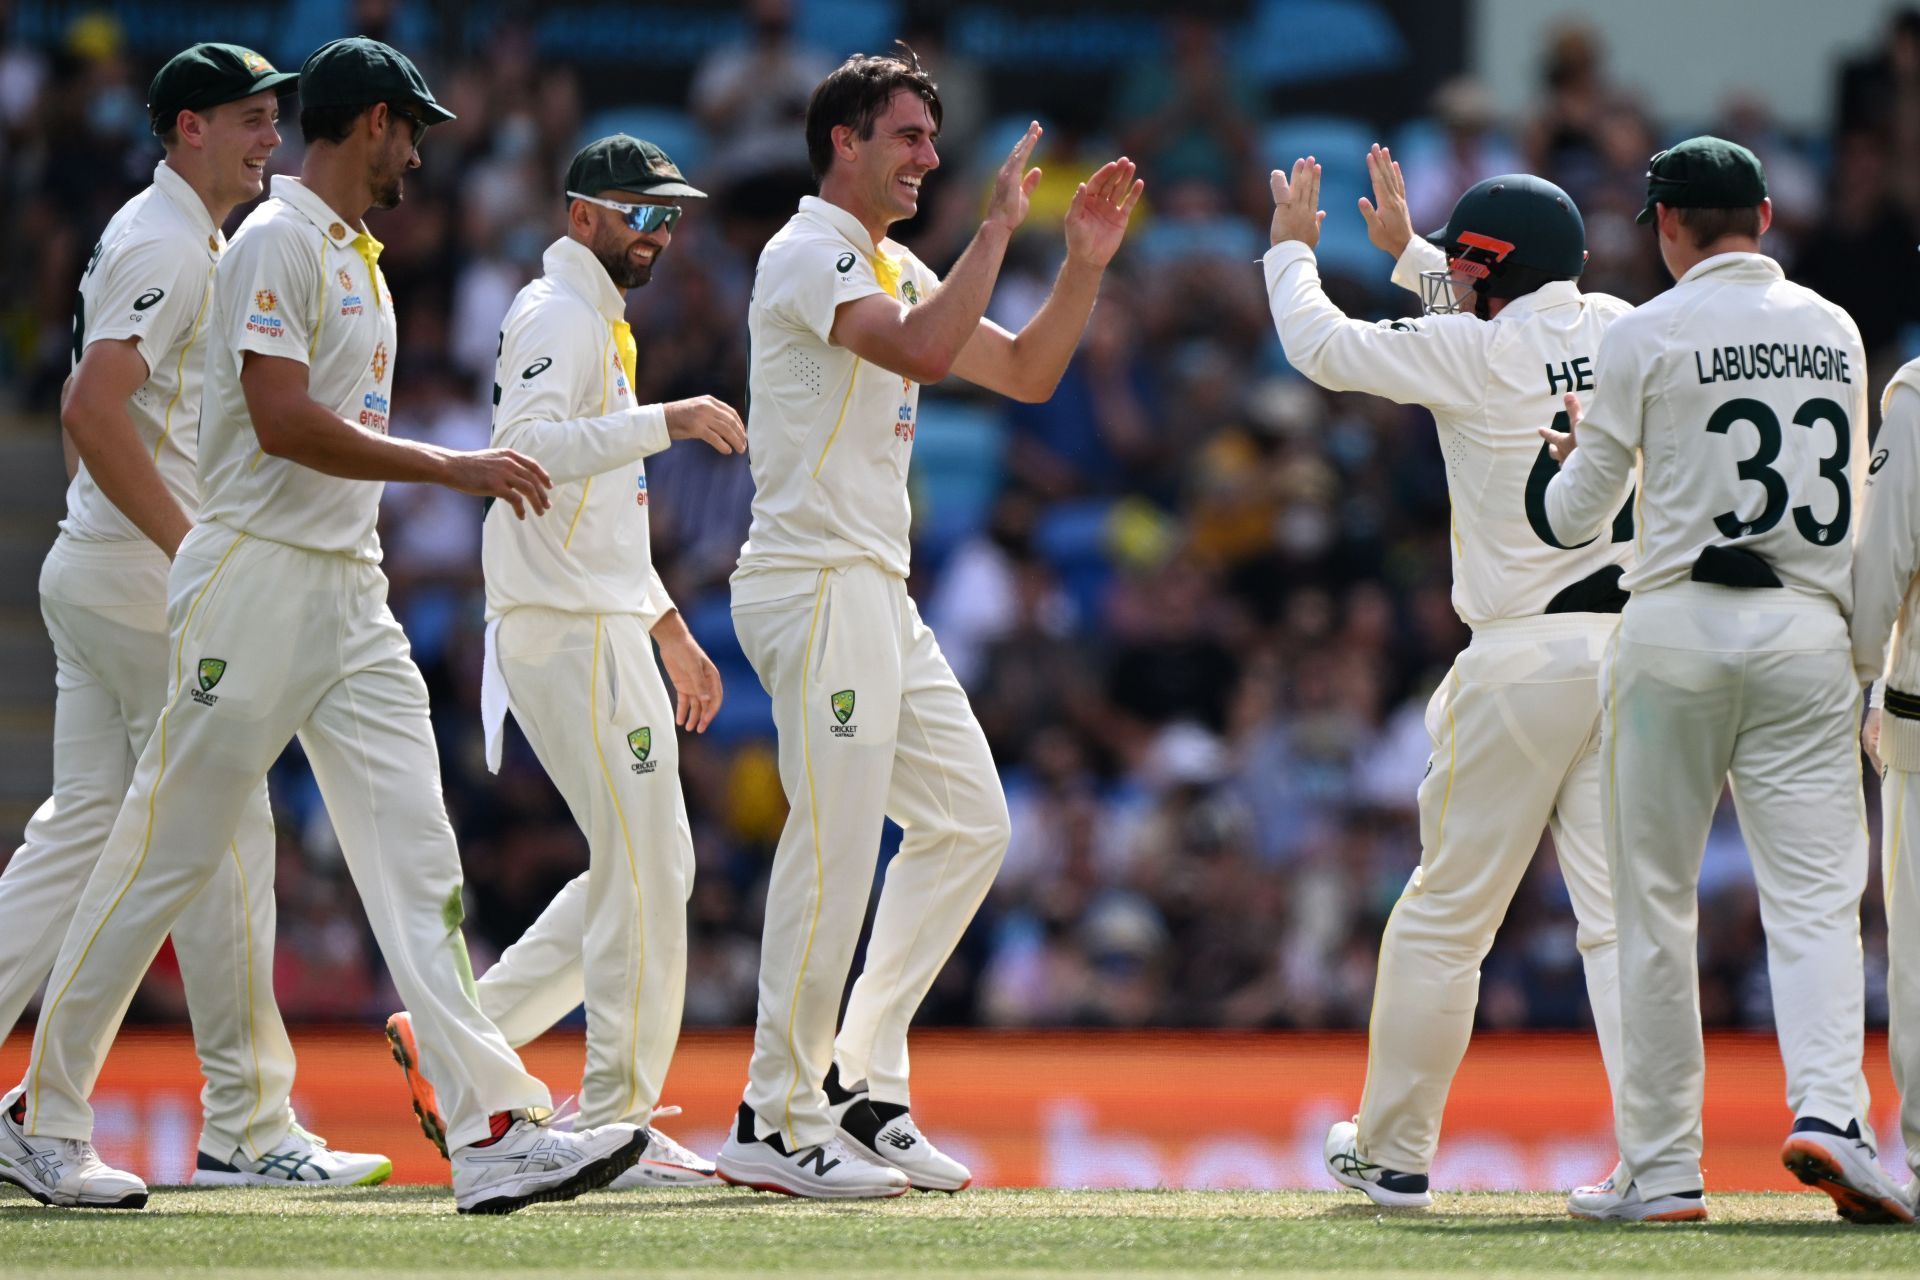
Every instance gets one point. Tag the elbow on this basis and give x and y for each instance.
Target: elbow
(270, 429)
(1034, 391)
(928, 367)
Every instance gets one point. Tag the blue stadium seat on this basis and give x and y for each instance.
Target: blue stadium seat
(1298, 41)
(957, 451)
(672, 131)
(841, 27)
(1072, 537)
(1340, 145)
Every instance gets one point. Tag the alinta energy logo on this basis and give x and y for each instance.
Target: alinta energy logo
(640, 742)
(842, 704)
(211, 669)
(263, 321)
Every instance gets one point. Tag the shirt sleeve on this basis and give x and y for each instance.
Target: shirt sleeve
(1886, 551)
(811, 278)
(1416, 259)
(659, 603)
(275, 270)
(548, 368)
(149, 291)
(1583, 498)
(1437, 361)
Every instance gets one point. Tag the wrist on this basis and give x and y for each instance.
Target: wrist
(994, 229)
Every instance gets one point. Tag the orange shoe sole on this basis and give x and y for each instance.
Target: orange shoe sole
(1810, 1163)
(426, 1104)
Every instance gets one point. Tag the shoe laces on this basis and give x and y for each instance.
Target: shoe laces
(673, 1151)
(300, 1134)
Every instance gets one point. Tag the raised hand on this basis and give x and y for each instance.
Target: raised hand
(1014, 184)
(1389, 223)
(705, 418)
(1097, 218)
(1561, 444)
(501, 473)
(1297, 214)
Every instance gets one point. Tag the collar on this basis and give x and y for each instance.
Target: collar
(573, 265)
(1757, 263)
(1554, 293)
(184, 198)
(296, 194)
(840, 220)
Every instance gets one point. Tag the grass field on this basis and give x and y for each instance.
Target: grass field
(408, 1232)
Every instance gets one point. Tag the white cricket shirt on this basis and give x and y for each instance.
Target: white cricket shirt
(1745, 397)
(1491, 385)
(148, 280)
(562, 397)
(829, 435)
(301, 283)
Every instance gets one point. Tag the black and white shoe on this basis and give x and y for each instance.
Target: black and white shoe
(1839, 1163)
(831, 1171)
(526, 1162)
(61, 1171)
(885, 1132)
(1386, 1187)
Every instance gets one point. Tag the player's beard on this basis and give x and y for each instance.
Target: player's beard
(622, 269)
(387, 190)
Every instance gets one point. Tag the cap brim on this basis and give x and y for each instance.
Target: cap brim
(671, 189)
(437, 114)
(1647, 214)
(280, 81)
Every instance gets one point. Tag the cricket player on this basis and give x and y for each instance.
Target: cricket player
(571, 603)
(845, 326)
(1515, 724)
(1886, 651)
(1744, 398)
(132, 412)
(279, 625)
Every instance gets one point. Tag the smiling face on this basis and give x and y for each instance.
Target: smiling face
(238, 138)
(628, 255)
(888, 167)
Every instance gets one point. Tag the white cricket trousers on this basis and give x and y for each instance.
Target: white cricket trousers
(1900, 877)
(1516, 749)
(1707, 684)
(105, 605)
(872, 724)
(589, 695)
(270, 640)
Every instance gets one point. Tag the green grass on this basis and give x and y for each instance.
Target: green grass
(408, 1232)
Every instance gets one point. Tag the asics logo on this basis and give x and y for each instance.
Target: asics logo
(1350, 1163)
(539, 1158)
(897, 1138)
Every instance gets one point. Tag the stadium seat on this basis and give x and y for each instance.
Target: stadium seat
(1072, 536)
(841, 27)
(1340, 145)
(1294, 41)
(957, 451)
(672, 131)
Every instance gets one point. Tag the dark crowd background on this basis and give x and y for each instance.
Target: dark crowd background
(1198, 603)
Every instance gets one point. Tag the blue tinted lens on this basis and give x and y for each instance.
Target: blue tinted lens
(652, 217)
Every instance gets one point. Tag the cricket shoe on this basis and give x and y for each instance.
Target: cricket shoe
(302, 1159)
(1386, 1187)
(426, 1104)
(61, 1171)
(1618, 1200)
(526, 1162)
(831, 1171)
(883, 1131)
(665, 1163)
(1840, 1164)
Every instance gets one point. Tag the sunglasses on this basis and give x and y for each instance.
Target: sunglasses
(418, 122)
(638, 217)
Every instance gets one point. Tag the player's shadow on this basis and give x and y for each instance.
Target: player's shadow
(1494, 1228)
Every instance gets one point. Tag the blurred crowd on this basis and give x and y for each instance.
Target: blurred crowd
(1198, 603)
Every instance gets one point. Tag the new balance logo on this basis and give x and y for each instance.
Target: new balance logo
(818, 1158)
(899, 1138)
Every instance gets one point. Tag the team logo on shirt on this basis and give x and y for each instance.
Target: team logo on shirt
(911, 294)
(351, 303)
(842, 704)
(640, 742)
(380, 362)
(263, 321)
(211, 669)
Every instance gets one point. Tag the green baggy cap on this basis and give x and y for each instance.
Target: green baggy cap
(359, 71)
(208, 75)
(1704, 173)
(626, 163)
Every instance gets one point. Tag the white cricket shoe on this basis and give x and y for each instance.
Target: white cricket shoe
(61, 1171)
(1618, 1200)
(527, 1163)
(885, 1132)
(832, 1171)
(302, 1159)
(665, 1163)
(1386, 1187)
(1846, 1168)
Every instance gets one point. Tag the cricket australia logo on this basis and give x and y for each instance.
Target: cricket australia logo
(842, 704)
(640, 742)
(211, 669)
(910, 293)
